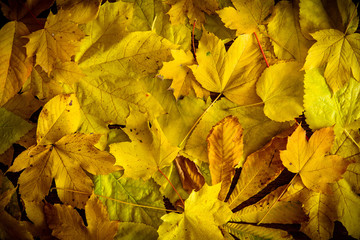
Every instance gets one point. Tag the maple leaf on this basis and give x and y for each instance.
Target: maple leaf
(59, 40)
(134, 192)
(309, 159)
(148, 151)
(281, 89)
(247, 15)
(194, 10)
(324, 109)
(15, 66)
(259, 169)
(12, 128)
(233, 73)
(66, 223)
(225, 150)
(284, 31)
(339, 53)
(184, 81)
(202, 216)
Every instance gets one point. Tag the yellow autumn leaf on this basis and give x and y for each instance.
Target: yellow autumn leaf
(339, 53)
(233, 73)
(59, 117)
(193, 10)
(184, 81)
(310, 160)
(65, 161)
(259, 169)
(15, 67)
(285, 33)
(148, 151)
(66, 72)
(66, 223)
(82, 11)
(225, 151)
(203, 215)
(59, 40)
(281, 88)
(249, 231)
(247, 15)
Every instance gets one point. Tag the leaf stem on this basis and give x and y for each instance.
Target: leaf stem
(197, 121)
(182, 201)
(249, 105)
(261, 49)
(116, 200)
(282, 194)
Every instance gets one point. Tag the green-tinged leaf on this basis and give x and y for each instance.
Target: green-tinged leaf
(348, 210)
(12, 128)
(247, 231)
(180, 115)
(138, 231)
(202, 216)
(339, 53)
(59, 117)
(225, 151)
(259, 169)
(247, 15)
(165, 187)
(258, 129)
(132, 191)
(15, 67)
(284, 30)
(283, 212)
(347, 146)
(109, 98)
(281, 89)
(214, 24)
(324, 109)
(106, 30)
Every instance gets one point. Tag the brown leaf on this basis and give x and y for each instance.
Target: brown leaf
(190, 175)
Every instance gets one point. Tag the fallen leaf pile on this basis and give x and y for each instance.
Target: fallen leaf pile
(179, 119)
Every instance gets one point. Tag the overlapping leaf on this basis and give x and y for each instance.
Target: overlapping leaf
(232, 73)
(310, 160)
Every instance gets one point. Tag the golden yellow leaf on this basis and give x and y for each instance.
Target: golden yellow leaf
(247, 15)
(189, 174)
(148, 151)
(192, 9)
(184, 81)
(15, 67)
(259, 169)
(225, 151)
(64, 160)
(59, 40)
(59, 117)
(66, 222)
(249, 231)
(23, 105)
(233, 73)
(310, 159)
(66, 72)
